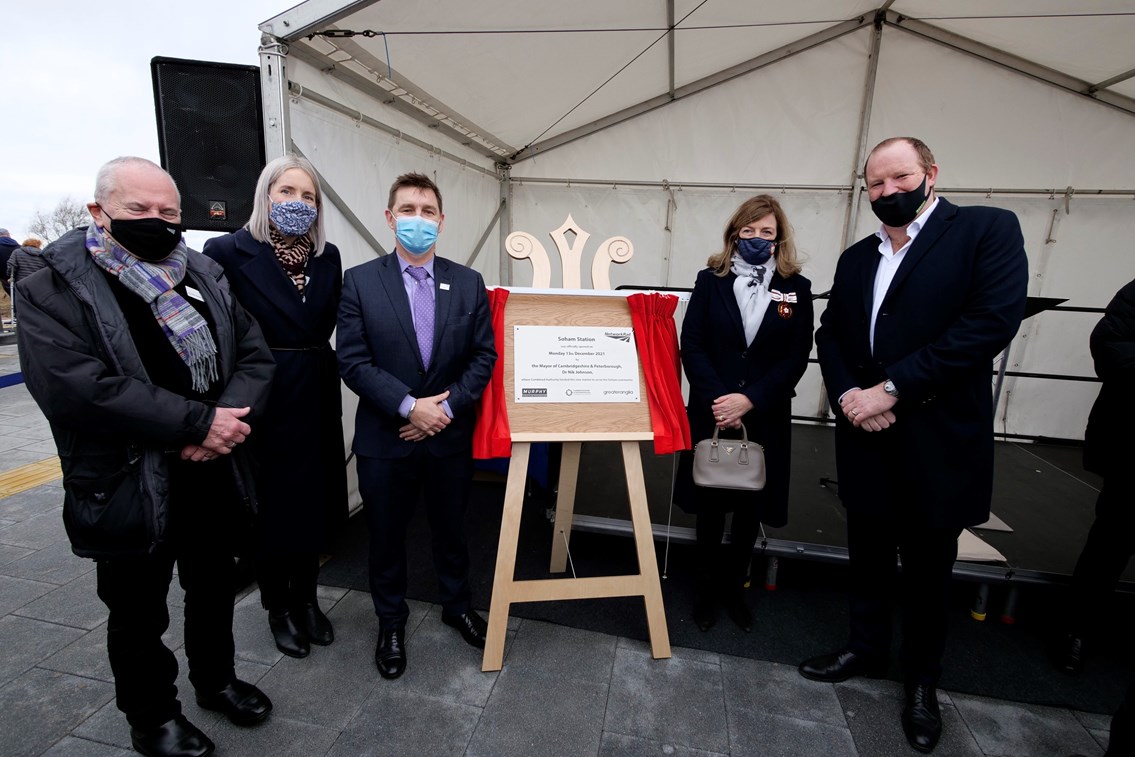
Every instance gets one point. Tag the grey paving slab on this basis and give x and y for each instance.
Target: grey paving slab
(441, 665)
(38, 500)
(44, 446)
(531, 715)
(1093, 720)
(73, 747)
(276, 736)
(37, 432)
(621, 745)
(19, 592)
(14, 441)
(9, 553)
(55, 564)
(678, 653)
(873, 710)
(562, 652)
(756, 732)
(328, 687)
(776, 689)
(84, 657)
(1102, 737)
(396, 722)
(16, 458)
(1009, 728)
(678, 700)
(74, 604)
(36, 532)
(41, 707)
(27, 642)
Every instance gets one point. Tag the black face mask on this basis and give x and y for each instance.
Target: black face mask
(901, 208)
(150, 239)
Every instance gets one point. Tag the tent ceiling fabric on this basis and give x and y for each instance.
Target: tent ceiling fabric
(504, 75)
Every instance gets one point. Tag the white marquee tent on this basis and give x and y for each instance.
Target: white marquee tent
(653, 119)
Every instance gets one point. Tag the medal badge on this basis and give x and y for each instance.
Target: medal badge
(784, 310)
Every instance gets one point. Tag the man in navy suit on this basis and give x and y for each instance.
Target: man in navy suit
(415, 342)
(916, 315)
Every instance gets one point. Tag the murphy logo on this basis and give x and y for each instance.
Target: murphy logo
(622, 336)
(525, 392)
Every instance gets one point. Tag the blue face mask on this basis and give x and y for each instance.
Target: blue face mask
(293, 218)
(416, 234)
(755, 251)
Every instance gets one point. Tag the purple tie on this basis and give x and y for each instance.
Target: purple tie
(423, 303)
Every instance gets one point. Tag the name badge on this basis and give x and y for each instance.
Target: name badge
(194, 294)
(443, 287)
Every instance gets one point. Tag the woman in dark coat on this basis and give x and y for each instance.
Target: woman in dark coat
(285, 273)
(746, 337)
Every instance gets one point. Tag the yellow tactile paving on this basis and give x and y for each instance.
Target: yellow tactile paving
(29, 476)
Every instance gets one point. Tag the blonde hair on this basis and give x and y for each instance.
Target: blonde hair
(259, 222)
(751, 211)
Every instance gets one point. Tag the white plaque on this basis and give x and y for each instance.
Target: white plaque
(575, 364)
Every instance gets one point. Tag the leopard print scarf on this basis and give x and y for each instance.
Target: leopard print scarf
(292, 256)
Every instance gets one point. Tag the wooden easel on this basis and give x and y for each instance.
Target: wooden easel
(572, 424)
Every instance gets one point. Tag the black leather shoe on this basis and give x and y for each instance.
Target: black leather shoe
(241, 702)
(1069, 654)
(289, 638)
(921, 719)
(738, 611)
(176, 738)
(314, 624)
(471, 625)
(841, 665)
(390, 654)
(704, 614)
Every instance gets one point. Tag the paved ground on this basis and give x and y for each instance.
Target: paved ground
(562, 691)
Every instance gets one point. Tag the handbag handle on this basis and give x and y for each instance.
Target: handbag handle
(742, 458)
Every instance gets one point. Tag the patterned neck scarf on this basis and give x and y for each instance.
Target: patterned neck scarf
(292, 256)
(183, 326)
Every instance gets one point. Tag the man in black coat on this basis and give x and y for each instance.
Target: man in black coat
(149, 372)
(916, 315)
(1109, 448)
(415, 342)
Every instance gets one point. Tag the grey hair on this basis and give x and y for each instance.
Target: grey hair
(259, 222)
(106, 181)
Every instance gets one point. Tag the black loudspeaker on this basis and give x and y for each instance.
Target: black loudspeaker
(210, 137)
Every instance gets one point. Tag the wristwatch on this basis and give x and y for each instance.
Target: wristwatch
(890, 388)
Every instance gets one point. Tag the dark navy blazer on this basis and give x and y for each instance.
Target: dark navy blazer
(379, 358)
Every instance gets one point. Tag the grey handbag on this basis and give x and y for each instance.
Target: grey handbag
(729, 463)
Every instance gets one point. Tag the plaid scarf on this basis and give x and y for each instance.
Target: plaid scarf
(292, 256)
(183, 326)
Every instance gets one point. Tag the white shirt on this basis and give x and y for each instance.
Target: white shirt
(890, 262)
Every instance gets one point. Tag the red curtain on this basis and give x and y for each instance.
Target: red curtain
(492, 436)
(656, 337)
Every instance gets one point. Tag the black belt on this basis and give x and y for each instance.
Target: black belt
(298, 349)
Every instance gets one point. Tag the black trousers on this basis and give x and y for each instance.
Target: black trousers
(928, 556)
(134, 590)
(390, 489)
(1110, 544)
(287, 580)
(729, 564)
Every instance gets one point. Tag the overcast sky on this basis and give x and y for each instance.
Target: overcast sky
(77, 91)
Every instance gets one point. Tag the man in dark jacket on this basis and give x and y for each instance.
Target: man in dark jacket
(917, 312)
(7, 247)
(1109, 448)
(150, 374)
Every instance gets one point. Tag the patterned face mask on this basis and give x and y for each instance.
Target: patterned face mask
(293, 218)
